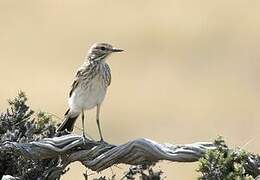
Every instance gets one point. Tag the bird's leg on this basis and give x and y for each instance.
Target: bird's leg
(83, 124)
(98, 124)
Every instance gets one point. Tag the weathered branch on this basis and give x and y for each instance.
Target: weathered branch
(48, 158)
(99, 155)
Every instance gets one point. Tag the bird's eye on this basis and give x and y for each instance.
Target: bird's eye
(103, 48)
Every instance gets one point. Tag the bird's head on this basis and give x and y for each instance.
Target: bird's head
(99, 51)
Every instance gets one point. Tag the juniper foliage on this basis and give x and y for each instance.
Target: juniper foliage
(224, 163)
(20, 124)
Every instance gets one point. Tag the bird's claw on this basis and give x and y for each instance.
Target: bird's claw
(84, 139)
(101, 141)
(62, 133)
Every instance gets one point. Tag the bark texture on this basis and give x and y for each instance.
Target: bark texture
(98, 156)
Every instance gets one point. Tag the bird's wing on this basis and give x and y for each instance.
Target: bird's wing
(82, 75)
(75, 82)
(107, 75)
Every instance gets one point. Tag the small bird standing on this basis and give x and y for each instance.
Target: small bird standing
(89, 86)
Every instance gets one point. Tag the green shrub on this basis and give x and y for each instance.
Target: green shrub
(223, 163)
(20, 124)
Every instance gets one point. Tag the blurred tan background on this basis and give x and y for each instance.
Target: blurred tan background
(190, 72)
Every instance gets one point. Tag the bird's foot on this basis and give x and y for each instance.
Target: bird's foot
(101, 141)
(84, 139)
(62, 133)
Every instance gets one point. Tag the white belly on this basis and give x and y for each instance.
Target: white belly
(88, 96)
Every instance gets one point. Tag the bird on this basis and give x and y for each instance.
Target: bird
(89, 87)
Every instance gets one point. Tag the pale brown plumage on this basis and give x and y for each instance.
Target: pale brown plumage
(89, 86)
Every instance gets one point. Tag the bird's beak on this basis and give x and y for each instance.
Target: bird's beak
(116, 50)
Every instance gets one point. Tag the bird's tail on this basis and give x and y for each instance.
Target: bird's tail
(68, 122)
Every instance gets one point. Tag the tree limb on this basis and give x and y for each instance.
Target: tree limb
(98, 156)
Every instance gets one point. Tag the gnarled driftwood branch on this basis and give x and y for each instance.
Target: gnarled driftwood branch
(99, 155)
